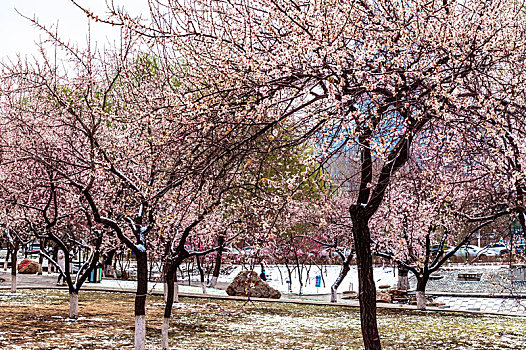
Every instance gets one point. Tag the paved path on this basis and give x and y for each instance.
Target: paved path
(513, 306)
(494, 279)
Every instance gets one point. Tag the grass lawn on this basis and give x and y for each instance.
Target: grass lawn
(38, 320)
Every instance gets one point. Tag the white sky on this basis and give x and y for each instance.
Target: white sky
(18, 35)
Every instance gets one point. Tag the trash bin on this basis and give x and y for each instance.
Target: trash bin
(95, 275)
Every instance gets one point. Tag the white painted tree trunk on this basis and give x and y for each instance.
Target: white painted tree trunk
(176, 292)
(140, 332)
(164, 333)
(421, 300)
(73, 305)
(213, 282)
(5, 265)
(13, 283)
(165, 291)
(203, 287)
(334, 295)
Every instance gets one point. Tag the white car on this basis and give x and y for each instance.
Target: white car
(469, 250)
(232, 251)
(487, 252)
(248, 250)
(494, 249)
(333, 253)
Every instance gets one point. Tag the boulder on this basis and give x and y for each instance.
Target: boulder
(28, 266)
(248, 283)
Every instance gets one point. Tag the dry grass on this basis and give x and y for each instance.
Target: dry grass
(37, 320)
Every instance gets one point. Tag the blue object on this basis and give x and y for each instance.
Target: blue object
(318, 281)
(95, 276)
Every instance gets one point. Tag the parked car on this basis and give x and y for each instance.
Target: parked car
(487, 252)
(469, 250)
(248, 250)
(494, 249)
(332, 252)
(232, 252)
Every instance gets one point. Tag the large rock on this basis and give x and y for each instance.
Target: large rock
(28, 266)
(248, 283)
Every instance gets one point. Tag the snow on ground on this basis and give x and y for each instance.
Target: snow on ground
(278, 277)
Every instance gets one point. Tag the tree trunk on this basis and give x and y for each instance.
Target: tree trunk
(140, 300)
(13, 283)
(201, 274)
(343, 272)
(7, 256)
(170, 271)
(73, 305)
(366, 285)
(166, 268)
(164, 333)
(217, 265)
(300, 272)
(175, 287)
(263, 274)
(421, 300)
(14, 262)
(213, 282)
(41, 257)
(107, 263)
(290, 276)
(52, 267)
(403, 279)
(176, 292)
(421, 292)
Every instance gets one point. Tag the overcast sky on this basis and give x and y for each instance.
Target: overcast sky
(18, 35)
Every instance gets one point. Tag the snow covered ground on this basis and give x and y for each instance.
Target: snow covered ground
(278, 278)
